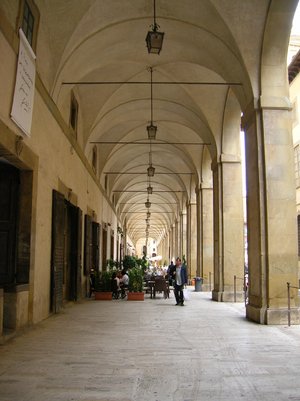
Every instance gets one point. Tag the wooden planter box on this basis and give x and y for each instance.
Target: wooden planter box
(135, 296)
(103, 296)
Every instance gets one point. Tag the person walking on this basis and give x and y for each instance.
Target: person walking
(170, 272)
(180, 279)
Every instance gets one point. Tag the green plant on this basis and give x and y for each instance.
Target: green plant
(136, 279)
(103, 281)
(129, 262)
(112, 264)
(143, 263)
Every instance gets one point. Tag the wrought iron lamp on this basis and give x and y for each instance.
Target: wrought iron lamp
(151, 128)
(150, 169)
(154, 39)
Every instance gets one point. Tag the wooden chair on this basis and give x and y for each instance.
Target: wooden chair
(161, 285)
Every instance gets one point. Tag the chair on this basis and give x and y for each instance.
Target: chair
(161, 285)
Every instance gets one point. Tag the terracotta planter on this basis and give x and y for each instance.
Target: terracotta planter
(103, 296)
(135, 296)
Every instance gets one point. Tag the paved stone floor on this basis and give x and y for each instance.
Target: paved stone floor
(152, 351)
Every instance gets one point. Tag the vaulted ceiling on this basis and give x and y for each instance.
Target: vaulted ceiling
(98, 51)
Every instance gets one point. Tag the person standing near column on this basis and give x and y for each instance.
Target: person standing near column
(180, 279)
(170, 272)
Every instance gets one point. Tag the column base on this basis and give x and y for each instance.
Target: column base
(264, 315)
(228, 296)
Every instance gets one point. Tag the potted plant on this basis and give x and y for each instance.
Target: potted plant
(129, 262)
(136, 284)
(103, 285)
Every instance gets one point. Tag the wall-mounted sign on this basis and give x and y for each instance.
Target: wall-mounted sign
(21, 112)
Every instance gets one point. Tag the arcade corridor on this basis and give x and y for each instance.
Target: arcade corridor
(114, 145)
(152, 351)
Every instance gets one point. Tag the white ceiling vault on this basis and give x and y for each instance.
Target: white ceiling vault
(99, 52)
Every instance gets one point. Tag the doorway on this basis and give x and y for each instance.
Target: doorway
(66, 252)
(9, 204)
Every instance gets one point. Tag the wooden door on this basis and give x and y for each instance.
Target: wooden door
(104, 249)
(58, 250)
(95, 244)
(74, 234)
(9, 195)
(88, 235)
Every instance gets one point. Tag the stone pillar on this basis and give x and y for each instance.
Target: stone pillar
(184, 233)
(207, 243)
(172, 242)
(198, 234)
(167, 248)
(183, 237)
(191, 255)
(125, 249)
(176, 245)
(271, 216)
(228, 229)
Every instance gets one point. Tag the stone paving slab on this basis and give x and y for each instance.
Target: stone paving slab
(152, 351)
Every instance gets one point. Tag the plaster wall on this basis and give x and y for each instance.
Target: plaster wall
(16, 308)
(58, 161)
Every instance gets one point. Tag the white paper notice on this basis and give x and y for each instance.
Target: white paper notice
(21, 112)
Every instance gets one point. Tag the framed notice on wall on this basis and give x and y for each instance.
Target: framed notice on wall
(22, 107)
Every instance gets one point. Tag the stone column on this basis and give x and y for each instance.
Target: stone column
(198, 234)
(180, 234)
(271, 216)
(162, 249)
(183, 237)
(191, 255)
(207, 243)
(170, 242)
(228, 229)
(125, 251)
(176, 245)
(167, 247)
(173, 254)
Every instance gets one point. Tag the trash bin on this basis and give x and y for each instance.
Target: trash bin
(198, 284)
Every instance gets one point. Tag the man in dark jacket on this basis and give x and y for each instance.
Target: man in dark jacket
(180, 279)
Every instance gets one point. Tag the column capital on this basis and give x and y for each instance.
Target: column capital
(225, 158)
(264, 102)
(275, 103)
(205, 185)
